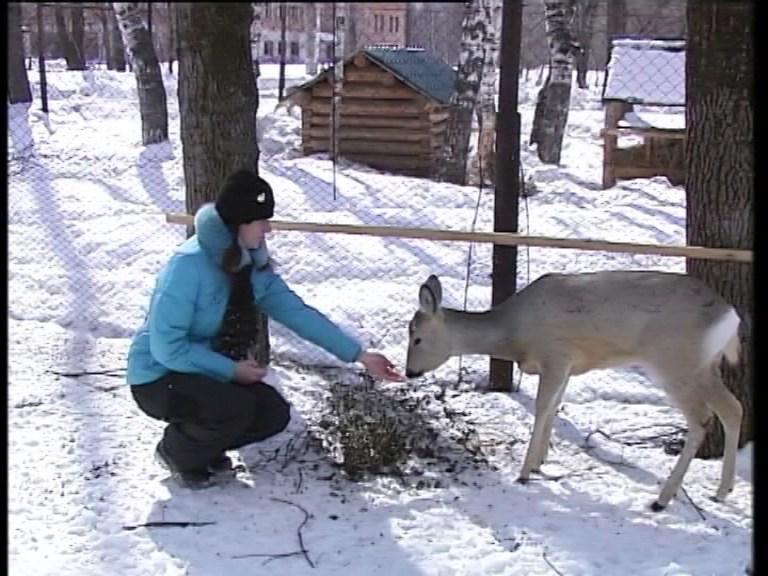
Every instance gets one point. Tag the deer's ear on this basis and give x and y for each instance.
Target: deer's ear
(430, 295)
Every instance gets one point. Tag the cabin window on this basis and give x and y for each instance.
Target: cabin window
(394, 24)
(269, 48)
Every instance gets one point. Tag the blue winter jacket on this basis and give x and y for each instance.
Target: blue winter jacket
(188, 304)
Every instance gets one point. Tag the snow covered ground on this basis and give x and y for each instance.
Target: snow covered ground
(86, 237)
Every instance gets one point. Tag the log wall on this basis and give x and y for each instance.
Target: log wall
(384, 123)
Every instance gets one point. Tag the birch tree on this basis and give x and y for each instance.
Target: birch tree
(113, 41)
(340, 25)
(153, 105)
(486, 108)
(218, 101)
(453, 161)
(313, 37)
(551, 114)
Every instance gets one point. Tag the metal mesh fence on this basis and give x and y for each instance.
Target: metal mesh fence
(87, 200)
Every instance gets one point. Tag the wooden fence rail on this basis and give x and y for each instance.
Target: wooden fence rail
(504, 238)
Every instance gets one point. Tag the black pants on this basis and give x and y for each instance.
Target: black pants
(206, 417)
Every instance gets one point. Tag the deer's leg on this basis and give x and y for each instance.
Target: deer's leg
(697, 414)
(550, 420)
(729, 411)
(552, 380)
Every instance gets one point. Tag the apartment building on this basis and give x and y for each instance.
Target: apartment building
(367, 24)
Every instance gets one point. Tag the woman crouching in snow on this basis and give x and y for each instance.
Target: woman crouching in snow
(185, 366)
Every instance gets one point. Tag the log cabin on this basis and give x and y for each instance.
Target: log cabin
(393, 114)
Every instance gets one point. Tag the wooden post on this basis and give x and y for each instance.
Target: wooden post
(507, 192)
(614, 111)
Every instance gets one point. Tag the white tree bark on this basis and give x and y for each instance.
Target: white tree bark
(153, 105)
(312, 24)
(319, 7)
(453, 161)
(553, 101)
(340, 26)
(486, 107)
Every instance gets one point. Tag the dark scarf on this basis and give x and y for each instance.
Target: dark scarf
(240, 328)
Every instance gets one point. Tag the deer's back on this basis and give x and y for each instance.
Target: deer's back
(616, 317)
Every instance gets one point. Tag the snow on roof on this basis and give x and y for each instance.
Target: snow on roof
(646, 71)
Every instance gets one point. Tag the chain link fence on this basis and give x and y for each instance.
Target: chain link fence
(88, 200)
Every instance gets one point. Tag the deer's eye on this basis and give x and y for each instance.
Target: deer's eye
(417, 342)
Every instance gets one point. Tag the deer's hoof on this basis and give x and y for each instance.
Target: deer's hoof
(522, 480)
(721, 495)
(656, 507)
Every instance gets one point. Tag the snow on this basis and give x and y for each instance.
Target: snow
(647, 72)
(87, 236)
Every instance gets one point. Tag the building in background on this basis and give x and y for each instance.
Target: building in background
(368, 24)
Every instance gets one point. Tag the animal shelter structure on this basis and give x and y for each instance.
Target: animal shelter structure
(393, 114)
(644, 73)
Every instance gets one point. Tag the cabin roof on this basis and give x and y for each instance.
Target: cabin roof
(646, 70)
(423, 72)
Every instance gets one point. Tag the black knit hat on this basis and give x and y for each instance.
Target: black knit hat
(245, 197)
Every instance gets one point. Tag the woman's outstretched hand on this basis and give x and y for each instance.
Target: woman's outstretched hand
(248, 372)
(379, 366)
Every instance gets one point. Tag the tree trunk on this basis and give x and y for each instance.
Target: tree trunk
(453, 161)
(116, 48)
(18, 82)
(339, 26)
(551, 113)
(218, 101)
(616, 18)
(73, 53)
(319, 7)
(103, 16)
(173, 46)
(283, 10)
(486, 108)
(586, 25)
(258, 23)
(312, 24)
(720, 164)
(153, 105)
(78, 36)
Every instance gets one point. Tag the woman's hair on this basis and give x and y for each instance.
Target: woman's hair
(232, 257)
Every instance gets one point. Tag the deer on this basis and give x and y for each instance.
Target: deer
(671, 325)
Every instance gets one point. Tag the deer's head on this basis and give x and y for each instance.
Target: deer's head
(428, 340)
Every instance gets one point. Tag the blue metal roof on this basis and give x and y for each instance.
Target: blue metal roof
(423, 71)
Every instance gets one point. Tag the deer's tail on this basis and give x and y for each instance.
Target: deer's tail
(722, 338)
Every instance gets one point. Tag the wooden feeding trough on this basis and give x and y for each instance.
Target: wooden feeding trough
(393, 114)
(647, 72)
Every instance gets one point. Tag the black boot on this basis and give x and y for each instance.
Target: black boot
(221, 465)
(194, 479)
